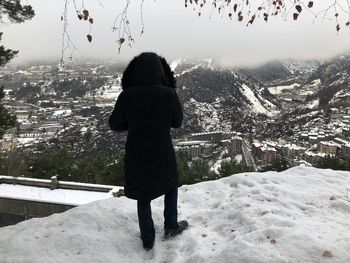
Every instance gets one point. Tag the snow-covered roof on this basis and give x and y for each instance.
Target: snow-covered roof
(342, 141)
(190, 143)
(309, 153)
(330, 143)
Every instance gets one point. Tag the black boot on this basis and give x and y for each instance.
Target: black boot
(148, 246)
(169, 233)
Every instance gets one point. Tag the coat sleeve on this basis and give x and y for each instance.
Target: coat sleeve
(177, 116)
(117, 120)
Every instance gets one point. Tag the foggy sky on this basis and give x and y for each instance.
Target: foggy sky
(174, 32)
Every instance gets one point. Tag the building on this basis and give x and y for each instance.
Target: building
(329, 147)
(312, 157)
(214, 137)
(268, 154)
(236, 144)
(291, 151)
(194, 149)
(264, 153)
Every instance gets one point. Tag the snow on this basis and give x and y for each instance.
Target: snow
(27, 141)
(65, 112)
(238, 158)
(293, 216)
(41, 194)
(256, 104)
(279, 89)
(208, 115)
(109, 92)
(175, 63)
(312, 104)
(340, 95)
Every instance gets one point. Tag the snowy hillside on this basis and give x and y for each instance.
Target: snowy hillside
(300, 215)
(215, 98)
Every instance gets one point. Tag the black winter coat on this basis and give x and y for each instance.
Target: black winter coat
(147, 110)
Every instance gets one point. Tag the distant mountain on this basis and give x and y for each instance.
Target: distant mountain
(283, 72)
(220, 99)
(334, 86)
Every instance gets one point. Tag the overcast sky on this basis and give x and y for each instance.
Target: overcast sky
(174, 32)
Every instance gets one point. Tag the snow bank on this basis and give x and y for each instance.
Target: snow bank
(295, 216)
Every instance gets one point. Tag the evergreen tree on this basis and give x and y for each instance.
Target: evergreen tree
(7, 120)
(61, 164)
(16, 13)
(332, 162)
(231, 167)
(277, 164)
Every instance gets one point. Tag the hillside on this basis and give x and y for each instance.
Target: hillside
(300, 215)
(220, 99)
(334, 83)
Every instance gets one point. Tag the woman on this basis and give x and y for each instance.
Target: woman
(147, 108)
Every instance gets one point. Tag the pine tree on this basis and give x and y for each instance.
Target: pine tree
(7, 120)
(16, 13)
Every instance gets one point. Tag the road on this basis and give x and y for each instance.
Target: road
(248, 156)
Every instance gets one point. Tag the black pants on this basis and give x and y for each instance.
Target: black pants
(145, 216)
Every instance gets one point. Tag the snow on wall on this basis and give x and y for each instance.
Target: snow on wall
(41, 194)
(296, 216)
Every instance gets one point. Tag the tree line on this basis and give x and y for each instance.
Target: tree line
(102, 169)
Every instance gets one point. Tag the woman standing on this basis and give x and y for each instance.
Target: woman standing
(147, 108)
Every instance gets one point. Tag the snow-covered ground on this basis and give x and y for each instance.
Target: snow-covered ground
(300, 215)
(60, 196)
(208, 115)
(279, 89)
(256, 104)
(312, 104)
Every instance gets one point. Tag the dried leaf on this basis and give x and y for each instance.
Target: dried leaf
(121, 40)
(338, 28)
(80, 17)
(86, 13)
(327, 253)
(310, 4)
(235, 7)
(266, 17)
(91, 20)
(295, 16)
(89, 38)
(298, 8)
(347, 23)
(264, 213)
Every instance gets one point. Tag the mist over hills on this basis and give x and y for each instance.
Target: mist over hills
(269, 100)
